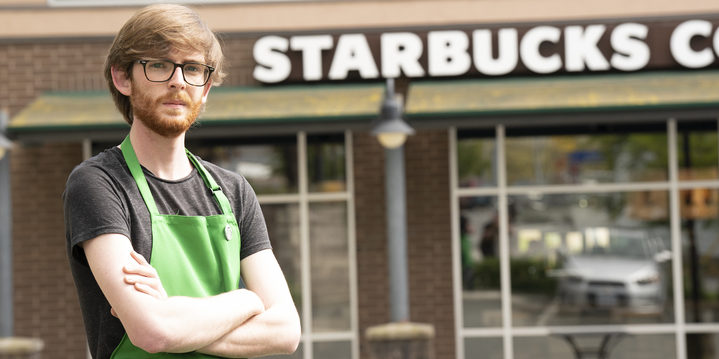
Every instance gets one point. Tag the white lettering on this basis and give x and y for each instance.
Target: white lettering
(507, 55)
(529, 50)
(580, 48)
(272, 64)
(311, 47)
(353, 53)
(680, 44)
(400, 54)
(448, 54)
(631, 52)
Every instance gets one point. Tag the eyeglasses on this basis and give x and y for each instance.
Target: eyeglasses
(162, 70)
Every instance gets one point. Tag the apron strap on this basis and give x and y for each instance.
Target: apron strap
(134, 165)
(219, 196)
(131, 158)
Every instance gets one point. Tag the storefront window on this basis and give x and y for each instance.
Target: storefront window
(476, 153)
(491, 348)
(587, 224)
(586, 156)
(330, 279)
(700, 250)
(283, 225)
(702, 345)
(326, 163)
(334, 350)
(269, 165)
(579, 259)
(479, 236)
(697, 150)
(617, 346)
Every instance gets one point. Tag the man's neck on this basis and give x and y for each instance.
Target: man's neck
(164, 156)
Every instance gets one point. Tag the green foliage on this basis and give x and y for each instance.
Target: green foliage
(528, 275)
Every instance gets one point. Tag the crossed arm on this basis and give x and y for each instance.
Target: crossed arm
(259, 320)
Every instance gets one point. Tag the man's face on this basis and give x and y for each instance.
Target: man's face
(168, 108)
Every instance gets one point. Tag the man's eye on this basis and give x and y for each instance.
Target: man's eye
(192, 68)
(158, 65)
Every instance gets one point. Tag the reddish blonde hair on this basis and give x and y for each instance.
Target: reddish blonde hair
(152, 33)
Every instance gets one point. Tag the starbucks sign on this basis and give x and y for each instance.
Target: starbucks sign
(489, 51)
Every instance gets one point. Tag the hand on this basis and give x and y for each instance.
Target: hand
(140, 274)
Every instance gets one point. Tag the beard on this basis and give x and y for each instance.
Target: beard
(166, 122)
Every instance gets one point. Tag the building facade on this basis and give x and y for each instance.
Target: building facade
(562, 186)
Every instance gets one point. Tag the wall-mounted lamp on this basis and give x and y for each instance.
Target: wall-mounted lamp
(390, 129)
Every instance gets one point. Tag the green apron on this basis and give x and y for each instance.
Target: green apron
(194, 256)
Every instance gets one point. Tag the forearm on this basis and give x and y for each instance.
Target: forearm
(184, 324)
(275, 331)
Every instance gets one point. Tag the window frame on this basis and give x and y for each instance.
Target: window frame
(507, 332)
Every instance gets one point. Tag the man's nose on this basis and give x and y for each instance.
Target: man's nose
(177, 79)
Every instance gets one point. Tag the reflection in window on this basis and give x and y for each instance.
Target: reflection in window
(270, 166)
(577, 257)
(700, 250)
(334, 350)
(697, 151)
(586, 157)
(491, 348)
(326, 163)
(330, 267)
(479, 236)
(283, 223)
(476, 164)
(702, 345)
(560, 346)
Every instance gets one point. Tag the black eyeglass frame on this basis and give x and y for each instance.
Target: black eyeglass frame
(176, 65)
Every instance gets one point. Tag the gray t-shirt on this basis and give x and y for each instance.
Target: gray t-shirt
(101, 197)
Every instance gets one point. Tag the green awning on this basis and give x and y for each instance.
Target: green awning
(563, 94)
(77, 111)
(426, 99)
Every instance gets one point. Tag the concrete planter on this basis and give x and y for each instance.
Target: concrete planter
(20, 348)
(403, 340)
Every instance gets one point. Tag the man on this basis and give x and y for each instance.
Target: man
(157, 239)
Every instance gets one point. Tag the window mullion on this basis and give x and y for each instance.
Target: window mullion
(305, 254)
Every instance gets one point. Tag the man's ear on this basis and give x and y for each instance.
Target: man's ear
(206, 91)
(122, 81)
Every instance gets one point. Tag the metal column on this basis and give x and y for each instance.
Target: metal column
(6, 280)
(397, 234)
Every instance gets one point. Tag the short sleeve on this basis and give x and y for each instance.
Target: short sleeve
(253, 229)
(93, 206)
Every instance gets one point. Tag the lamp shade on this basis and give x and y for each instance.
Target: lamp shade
(390, 129)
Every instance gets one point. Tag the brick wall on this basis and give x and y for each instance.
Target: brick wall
(31, 68)
(44, 297)
(429, 235)
(372, 281)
